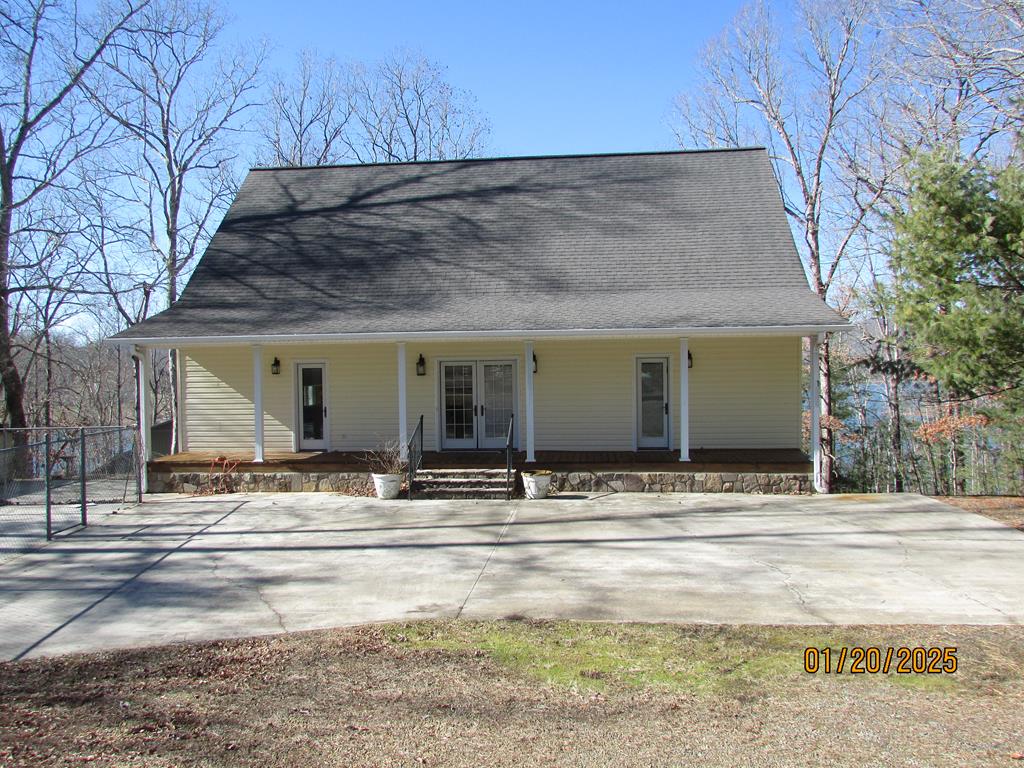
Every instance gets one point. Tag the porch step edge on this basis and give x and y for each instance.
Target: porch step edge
(459, 493)
(464, 482)
(468, 471)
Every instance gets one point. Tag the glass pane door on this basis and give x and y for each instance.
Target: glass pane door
(312, 408)
(497, 384)
(652, 416)
(459, 405)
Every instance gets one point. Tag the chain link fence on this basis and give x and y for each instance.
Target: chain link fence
(51, 478)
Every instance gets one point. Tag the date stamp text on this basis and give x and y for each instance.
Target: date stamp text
(873, 660)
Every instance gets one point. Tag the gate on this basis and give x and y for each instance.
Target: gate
(50, 479)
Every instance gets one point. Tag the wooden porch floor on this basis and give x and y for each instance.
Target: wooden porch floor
(705, 460)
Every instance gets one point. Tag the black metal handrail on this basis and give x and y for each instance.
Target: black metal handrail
(509, 476)
(414, 452)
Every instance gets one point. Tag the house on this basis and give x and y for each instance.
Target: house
(646, 306)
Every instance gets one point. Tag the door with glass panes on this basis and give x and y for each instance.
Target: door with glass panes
(477, 400)
(652, 402)
(312, 404)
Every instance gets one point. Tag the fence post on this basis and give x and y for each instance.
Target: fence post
(85, 504)
(47, 472)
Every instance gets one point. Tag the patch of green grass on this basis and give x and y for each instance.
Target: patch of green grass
(595, 656)
(928, 683)
(694, 659)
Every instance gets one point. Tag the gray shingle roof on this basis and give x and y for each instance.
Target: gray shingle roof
(639, 241)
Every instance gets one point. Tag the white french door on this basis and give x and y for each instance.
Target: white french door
(477, 399)
(652, 402)
(497, 387)
(458, 405)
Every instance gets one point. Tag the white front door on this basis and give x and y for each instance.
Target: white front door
(652, 402)
(312, 405)
(477, 400)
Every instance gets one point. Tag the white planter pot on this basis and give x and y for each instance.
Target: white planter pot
(536, 486)
(387, 486)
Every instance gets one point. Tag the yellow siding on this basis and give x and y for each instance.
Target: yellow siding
(424, 392)
(218, 398)
(362, 395)
(585, 392)
(744, 392)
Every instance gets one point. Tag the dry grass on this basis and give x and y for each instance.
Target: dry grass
(517, 694)
(1008, 510)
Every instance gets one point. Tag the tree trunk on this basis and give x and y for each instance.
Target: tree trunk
(915, 469)
(14, 387)
(48, 402)
(13, 384)
(957, 481)
(892, 386)
(937, 473)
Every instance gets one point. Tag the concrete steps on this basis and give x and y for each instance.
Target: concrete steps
(460, 484)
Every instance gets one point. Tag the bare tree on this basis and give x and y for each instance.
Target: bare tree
(181, 107)
(981, 40)
(52, 297)
(306, 115)
(399, 109)
(798, 101)
(119, 262)
(403, 109)
(930, 96)
(48, 50)
(923, 98)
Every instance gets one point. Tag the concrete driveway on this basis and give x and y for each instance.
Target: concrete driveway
(180, 568)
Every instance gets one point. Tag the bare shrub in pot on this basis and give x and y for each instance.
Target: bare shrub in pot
(387, 467)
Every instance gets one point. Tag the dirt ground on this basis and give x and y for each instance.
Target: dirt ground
(1006, 509)
(518, 694)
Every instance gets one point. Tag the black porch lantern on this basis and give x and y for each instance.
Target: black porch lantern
(689, 359)
(421, 366)
(275, 367)
(534, 362)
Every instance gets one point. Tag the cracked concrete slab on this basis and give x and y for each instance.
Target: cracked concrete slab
(181, 568)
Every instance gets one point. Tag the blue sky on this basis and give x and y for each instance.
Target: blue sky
(555, 77)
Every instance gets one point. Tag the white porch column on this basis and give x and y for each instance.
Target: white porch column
(684, 399)
(145, 416)
(257, 403)
(528, 361)
(182, 425)
(403, 421)
(814, 405)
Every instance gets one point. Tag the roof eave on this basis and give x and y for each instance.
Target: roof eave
(576, 333)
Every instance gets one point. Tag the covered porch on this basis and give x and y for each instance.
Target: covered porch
(715, 403)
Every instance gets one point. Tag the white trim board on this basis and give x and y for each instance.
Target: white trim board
(511, 335)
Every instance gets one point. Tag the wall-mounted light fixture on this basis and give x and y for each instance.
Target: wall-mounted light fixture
(275, 367)
(689, 359)
(534, 362)
(421, 366)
